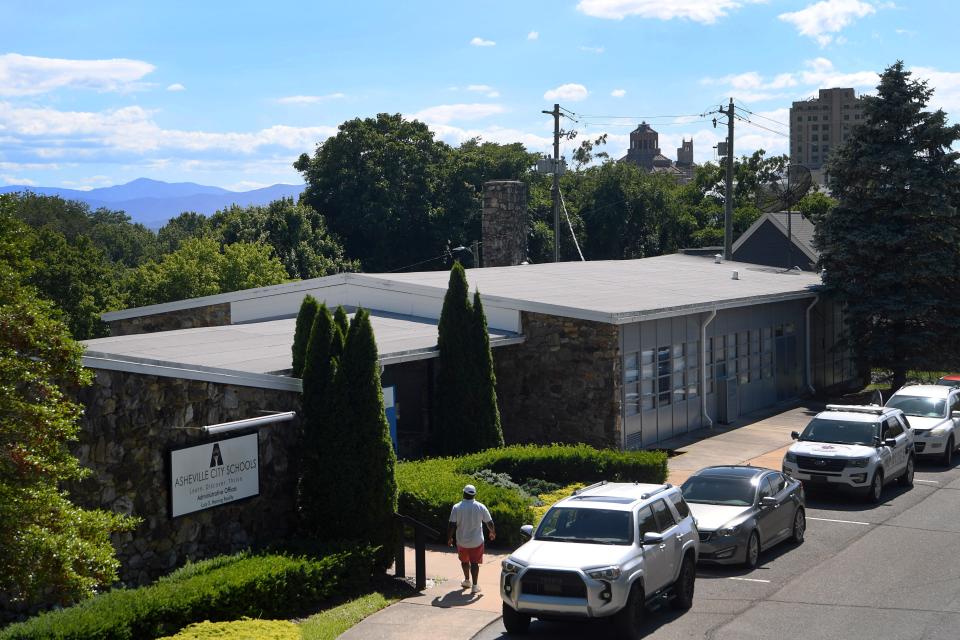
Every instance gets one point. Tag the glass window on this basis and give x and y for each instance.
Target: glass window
(777, 482)
(598, 526)
(632, 399)
(646, 522)
(664, 516)
(766, 489)
(631, 370)
(680, 505)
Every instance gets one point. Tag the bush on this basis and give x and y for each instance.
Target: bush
(218, 589)
(245, 629)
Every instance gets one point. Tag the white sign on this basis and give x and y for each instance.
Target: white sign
(213, 474)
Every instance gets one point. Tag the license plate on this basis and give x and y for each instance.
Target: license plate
(818, 478)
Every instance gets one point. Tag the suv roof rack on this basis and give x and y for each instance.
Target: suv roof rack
(592, 486)
(852, 408)
(650, 494)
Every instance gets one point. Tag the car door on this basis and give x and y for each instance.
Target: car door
(657, 568)
(766, 516)
(672, 535)
(895, 431)
(783, 511)
(955, 409)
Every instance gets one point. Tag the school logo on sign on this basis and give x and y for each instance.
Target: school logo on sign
(216, 460)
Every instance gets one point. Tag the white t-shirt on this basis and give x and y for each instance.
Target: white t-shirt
(468, 516)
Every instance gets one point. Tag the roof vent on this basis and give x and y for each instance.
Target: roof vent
(717, 259)
(735, 275)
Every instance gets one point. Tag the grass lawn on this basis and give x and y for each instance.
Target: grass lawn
(328, 624)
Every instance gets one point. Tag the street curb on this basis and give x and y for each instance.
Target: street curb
(497, 620)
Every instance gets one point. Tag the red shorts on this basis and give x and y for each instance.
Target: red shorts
(472, 555)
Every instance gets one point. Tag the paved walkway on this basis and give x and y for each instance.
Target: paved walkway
(444, 610)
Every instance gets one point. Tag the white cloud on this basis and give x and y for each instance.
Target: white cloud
(86, 184)
(818, 74)
(533, 35)
(310, 99)
(456, 135)
(618, 93)
(570, 91)
(246, 185)
(485, 89)
(480, 42)
(446, 113)
(10, 179)
(946, 89)
(176, 86)
(592, 49)
(31, 75)
(819, 21)
(703, 11)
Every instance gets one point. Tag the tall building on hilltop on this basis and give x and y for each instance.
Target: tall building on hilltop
(821, 124)
(644, 152)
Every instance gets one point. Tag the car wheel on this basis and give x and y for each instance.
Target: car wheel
(514, 622)
(906, 480)
(683, 587)
(799, 525)
(948, 453)
(752, 558)
(627, 621)
(875, 492)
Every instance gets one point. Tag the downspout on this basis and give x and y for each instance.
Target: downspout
(703, 368)
(813, 391)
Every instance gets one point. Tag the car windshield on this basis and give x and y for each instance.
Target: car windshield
(840, 432)
(595, 526)
(919, 406)
(735, 492)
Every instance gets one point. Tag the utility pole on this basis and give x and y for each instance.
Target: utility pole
(728, 187)
(555, 192)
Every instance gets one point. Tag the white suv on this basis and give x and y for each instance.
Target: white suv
(934, 413)
(859, 447)
(607, 550)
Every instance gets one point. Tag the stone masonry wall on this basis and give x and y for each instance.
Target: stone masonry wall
(562, 384)
(131, 421)
(214, 315)
(504, 223)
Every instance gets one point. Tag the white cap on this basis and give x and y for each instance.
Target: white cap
(470, 490)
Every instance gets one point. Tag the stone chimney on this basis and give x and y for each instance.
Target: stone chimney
(504, 223)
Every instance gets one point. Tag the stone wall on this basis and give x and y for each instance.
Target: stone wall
(131, 421)
(214, 315)
(504, 223)
(562, 384)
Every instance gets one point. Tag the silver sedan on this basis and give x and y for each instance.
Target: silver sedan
(741, 510)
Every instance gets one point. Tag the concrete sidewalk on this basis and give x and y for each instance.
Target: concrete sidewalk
(444, 610)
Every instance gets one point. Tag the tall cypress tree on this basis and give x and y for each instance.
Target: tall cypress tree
(301, 335)
(487, 415)
(367, 489)
(891, 246)
(342, 325)
(453, 432)
(317, 464)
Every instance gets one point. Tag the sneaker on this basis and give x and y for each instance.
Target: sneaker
(475, 589)
(465, 584)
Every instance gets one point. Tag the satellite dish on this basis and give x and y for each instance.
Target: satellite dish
(786, 191)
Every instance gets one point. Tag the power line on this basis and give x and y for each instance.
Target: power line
(630, 124)
(754, 113)
(760, 126)
(442, 256)
(682, 115)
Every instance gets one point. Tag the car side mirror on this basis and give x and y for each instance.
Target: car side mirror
(768, 501)
(795, 435)
(527, 530)
(955, 415)
(650, 538)
(890, 442)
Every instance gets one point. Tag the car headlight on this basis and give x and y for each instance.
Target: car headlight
(728, 531)
(604, 573)
(511, 566)
(790, 457)
(940, 431)
(858, 462)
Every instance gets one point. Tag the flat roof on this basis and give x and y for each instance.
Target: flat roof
(254, 353)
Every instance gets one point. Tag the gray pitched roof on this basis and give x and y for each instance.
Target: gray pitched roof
(801, 230)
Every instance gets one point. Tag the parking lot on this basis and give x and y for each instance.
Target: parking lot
(890, 570)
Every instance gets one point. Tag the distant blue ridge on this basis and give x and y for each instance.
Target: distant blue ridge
(152, 202)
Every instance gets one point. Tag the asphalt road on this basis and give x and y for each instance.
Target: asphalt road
(865, 572)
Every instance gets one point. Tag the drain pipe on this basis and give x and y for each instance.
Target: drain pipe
(813, 391)
(703, 368)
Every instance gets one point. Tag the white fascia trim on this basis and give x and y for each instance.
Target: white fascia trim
(95, 360)
(224, 298)
(672, 312)
(433, 352)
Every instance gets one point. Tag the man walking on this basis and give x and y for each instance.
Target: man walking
(466, 520)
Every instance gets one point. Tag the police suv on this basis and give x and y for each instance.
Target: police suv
(606, 551)
(934, 414)
(856, 447)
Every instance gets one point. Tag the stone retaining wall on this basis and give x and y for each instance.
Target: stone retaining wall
(132, 420)
(562, 384)
(213, 315)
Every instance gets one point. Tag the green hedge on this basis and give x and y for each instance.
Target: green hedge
(429, 488)
(225, 588)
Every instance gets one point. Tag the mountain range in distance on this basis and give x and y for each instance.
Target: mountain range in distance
(152, 202)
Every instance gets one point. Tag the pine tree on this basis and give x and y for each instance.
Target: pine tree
(301, 335)
(317, 462)
(342, 324)
(891, 246)
(489, 433)
(367, 489)
(453, 429)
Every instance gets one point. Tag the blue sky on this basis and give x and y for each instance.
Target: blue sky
(229, 94)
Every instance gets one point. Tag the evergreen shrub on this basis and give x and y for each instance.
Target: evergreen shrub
(225, 588)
